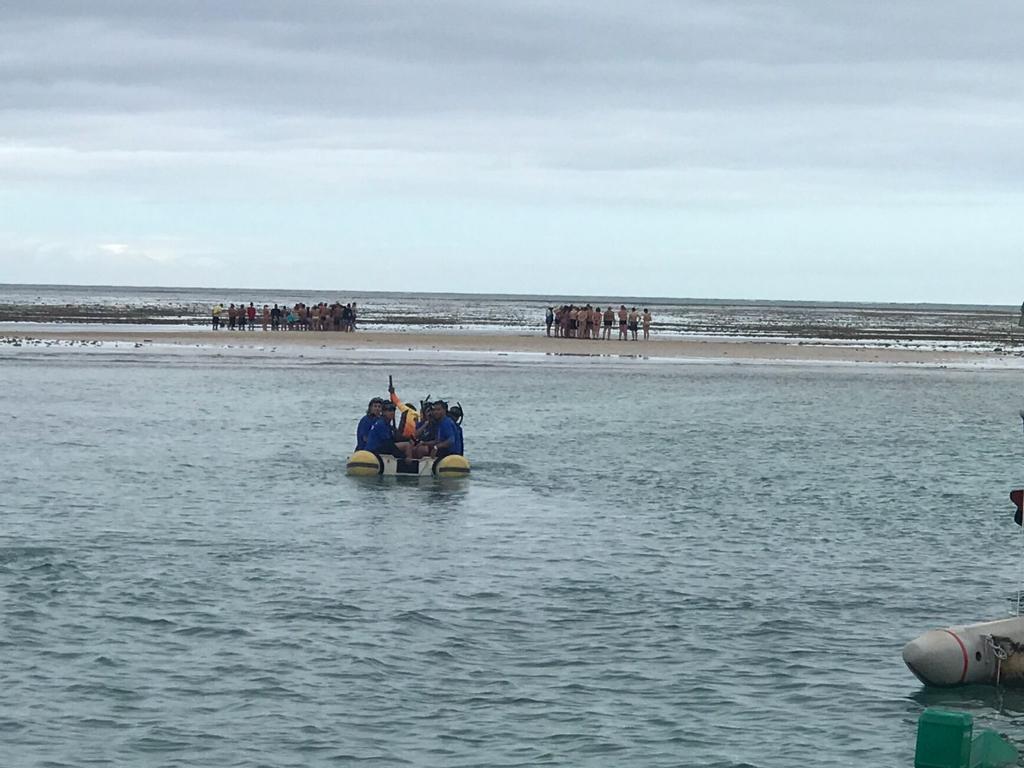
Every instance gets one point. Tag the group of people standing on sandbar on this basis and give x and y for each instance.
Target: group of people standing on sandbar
(589, 322)
(300, 317)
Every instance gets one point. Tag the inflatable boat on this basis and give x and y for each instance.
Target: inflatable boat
(366, 464)
(986, 653)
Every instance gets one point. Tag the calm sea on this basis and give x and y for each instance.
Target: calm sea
(653, 564)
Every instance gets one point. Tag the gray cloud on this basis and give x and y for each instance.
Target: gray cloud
(746, 104)
(381, 59)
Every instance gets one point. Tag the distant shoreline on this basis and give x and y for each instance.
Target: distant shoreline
(227, 293)
(669, 348)
(870, 326)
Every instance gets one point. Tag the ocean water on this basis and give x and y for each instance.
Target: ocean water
(652, 564)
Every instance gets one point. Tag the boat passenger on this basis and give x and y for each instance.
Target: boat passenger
(455, 412)
(373, 411)
(403, 444)
(409, 419)
(425, 426)
(382, 435)
(447, 439)
(426, 430)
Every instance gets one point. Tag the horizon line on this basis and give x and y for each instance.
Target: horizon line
(557, 297)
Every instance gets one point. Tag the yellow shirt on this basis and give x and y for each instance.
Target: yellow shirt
(411, 416)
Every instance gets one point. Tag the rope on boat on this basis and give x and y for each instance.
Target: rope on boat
(999, 649)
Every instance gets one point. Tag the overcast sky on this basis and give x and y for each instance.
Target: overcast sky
(784, 149)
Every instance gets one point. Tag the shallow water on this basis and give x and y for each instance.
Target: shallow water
(652, 564)
(30, 307)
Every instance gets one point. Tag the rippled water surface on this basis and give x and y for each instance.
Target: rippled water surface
(652, 564)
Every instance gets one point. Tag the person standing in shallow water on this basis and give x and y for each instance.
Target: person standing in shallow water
(549, 318)
(647, 324)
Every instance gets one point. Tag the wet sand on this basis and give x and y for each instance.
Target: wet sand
(714, 349)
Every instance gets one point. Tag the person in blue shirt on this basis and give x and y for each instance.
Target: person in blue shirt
(455, 412)
(425, 430)
(447, 436)
(382, 434)
(373, 411)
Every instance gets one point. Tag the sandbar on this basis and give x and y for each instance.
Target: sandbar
(670, 348)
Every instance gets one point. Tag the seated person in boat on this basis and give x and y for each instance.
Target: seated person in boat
(382, 435)
(409, 419)
(455, 413)
(373, 411)
(425, 427)
(446, 437)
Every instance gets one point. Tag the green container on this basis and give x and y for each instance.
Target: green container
(943, 739)
(990, 750)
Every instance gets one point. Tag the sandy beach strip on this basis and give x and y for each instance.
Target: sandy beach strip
(670, 348)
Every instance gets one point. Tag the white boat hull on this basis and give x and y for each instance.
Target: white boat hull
(366, 464)
(986, 653)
